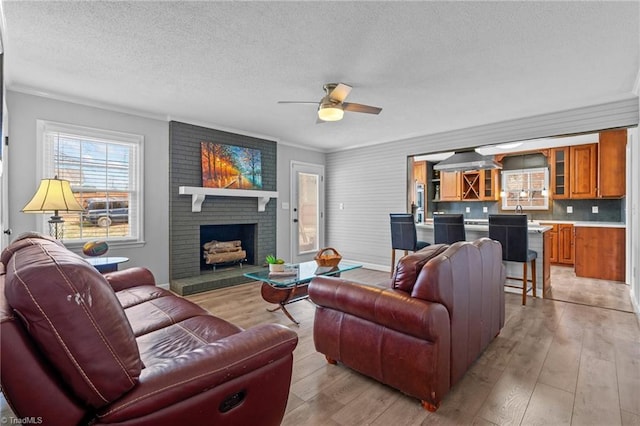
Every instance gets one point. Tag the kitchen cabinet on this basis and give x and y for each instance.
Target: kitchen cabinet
(590, 171)
(420, 172)
(561, 243)
(612, 153)
(600, 253)
(471, 190)
(491, 185)
(559, 165)
(565, 244)
(553, 242)
(480, 185)
(450, 186)
(583, 160)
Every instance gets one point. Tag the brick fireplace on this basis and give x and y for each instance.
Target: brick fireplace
(186, 270)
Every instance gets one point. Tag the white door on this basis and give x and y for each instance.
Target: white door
(307, 210)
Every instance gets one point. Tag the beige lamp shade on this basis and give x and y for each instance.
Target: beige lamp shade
(53, 195)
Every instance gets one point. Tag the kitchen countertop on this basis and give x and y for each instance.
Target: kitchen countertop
(483, 225)
(591, 224)
(535, 226)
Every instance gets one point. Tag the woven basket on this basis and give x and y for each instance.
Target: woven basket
(328, 257)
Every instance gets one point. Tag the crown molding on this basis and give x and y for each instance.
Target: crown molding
(27, 90)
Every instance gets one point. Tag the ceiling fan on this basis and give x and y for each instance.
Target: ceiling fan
(332, 106)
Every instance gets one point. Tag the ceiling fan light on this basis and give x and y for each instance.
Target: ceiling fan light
(330, 113)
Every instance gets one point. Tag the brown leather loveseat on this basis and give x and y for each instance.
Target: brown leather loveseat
(78, 347)
(444, 306)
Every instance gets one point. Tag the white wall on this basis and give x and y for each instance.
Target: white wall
(371, 182)
(25, 109)
(633, 211)
(633, 219)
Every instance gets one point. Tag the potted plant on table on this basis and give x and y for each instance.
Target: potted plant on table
(275, 264)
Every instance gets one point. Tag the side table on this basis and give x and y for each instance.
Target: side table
(106, 264)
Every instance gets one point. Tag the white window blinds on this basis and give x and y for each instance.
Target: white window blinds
(104, 169)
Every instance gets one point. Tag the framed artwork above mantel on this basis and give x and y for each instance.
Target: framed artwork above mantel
(230, 167)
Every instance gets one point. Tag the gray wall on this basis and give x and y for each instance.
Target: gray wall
(25, 109)
(184, 243)
(23, 112)
(371, 182)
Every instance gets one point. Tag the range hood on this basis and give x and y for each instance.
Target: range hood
(467, 160)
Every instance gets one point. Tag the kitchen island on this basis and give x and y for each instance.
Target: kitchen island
(478, 228)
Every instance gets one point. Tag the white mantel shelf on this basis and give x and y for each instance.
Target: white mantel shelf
(199, 193)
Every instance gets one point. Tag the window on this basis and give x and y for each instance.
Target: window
(527, 188)
(105, 172)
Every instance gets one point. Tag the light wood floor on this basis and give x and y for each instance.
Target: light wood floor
(554, 363)
(565, 286)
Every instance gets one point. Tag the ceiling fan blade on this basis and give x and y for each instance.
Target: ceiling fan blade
(298, 102)
(348, 106)
(340, 92)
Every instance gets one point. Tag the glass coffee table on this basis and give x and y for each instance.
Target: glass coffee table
(291, 285)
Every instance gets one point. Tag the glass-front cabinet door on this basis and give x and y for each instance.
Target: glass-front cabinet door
(560, 172)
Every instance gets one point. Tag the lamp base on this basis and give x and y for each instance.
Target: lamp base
(56, 227)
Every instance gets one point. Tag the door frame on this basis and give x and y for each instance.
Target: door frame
(294, 169)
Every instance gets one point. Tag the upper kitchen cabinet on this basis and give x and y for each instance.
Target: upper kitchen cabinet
(590, 171)
(559, 164)
(472, 185)
(450, 186)
(420, 172)
(583, 175)
(612, 164)
(491, 185)
(480, 185)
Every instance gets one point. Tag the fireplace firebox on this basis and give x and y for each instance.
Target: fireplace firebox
(235, 237)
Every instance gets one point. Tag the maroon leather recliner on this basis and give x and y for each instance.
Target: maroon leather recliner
(79, 347)
(444, 306)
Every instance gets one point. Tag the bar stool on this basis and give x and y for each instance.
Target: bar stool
(512, 232)
(403, 236)
(448, 228)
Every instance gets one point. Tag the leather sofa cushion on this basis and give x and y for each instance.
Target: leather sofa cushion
(129, 278)
(137, 295)
(160, 312)
(410, 266)
(183, 337)
(74, 317)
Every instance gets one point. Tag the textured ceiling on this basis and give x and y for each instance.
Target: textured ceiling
(431, 66)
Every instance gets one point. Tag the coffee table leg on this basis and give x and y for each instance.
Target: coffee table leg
(281, 296)
(287, 313)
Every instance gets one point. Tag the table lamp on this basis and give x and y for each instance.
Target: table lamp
(54, 195)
